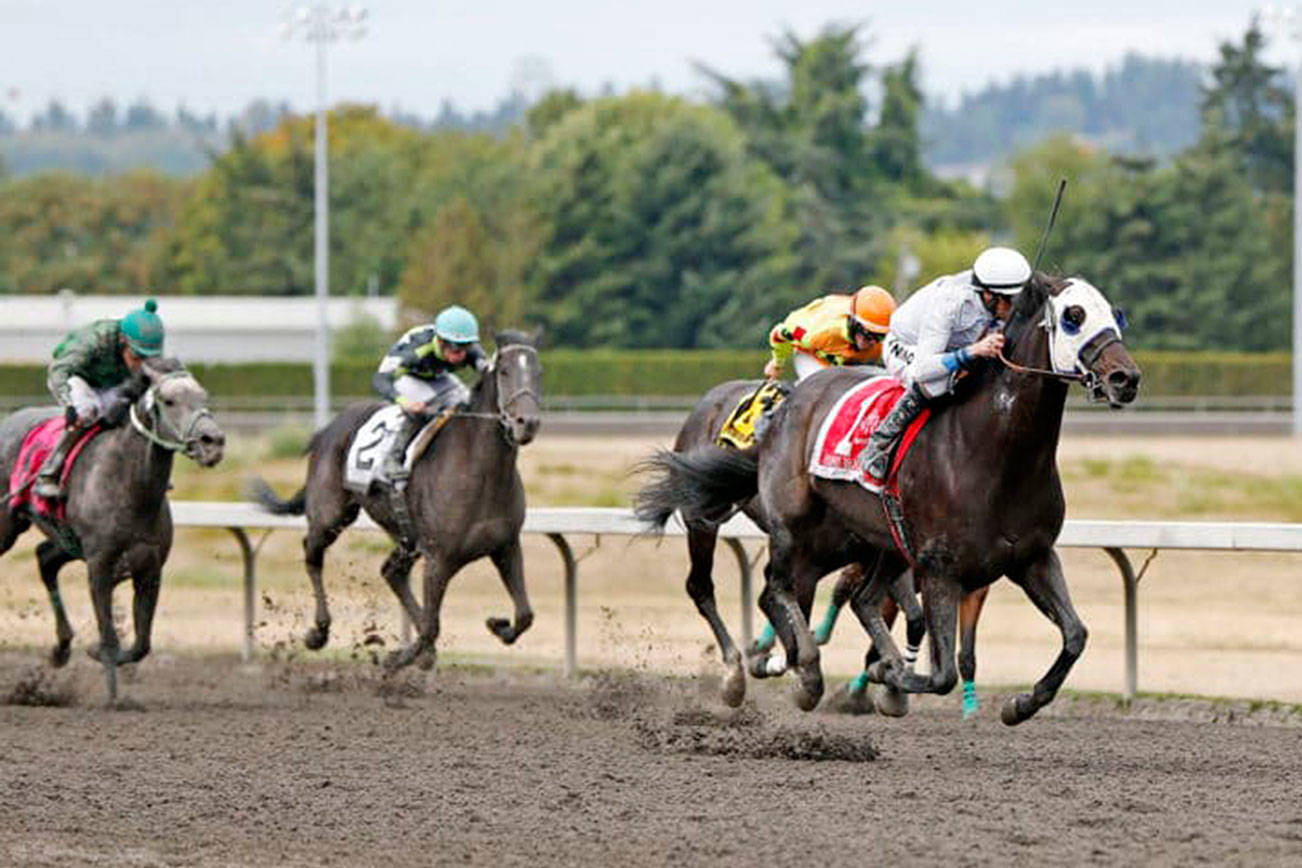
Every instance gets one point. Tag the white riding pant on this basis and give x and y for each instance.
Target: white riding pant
(805, 364)
(437, 393)
(899, 358)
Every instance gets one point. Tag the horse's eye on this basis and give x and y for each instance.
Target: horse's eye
(1072, 318)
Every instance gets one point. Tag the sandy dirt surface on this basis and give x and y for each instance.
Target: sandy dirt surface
(212, 763)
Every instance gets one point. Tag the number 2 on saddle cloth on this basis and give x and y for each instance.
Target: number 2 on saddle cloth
(738, 432)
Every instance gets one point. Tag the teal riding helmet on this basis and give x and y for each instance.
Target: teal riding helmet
(456, 325)
(143, 330)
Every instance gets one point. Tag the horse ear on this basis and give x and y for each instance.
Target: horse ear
(492, 334)
(538, 335)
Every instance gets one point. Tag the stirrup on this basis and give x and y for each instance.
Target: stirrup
(48, 488)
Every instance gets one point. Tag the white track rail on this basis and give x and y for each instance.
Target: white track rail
(557, 524)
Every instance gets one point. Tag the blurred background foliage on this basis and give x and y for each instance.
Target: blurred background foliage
(647, 221)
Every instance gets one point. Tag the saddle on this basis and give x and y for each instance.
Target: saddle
(50, 514)
(738, 431)
(373, 439)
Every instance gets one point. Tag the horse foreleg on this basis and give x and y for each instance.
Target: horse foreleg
(437, 575)
(969, 612)
(905, 596)
(849, 581)
(145, 582)
(50, 558)
(1046, 587)
(102, 578)
(509, 561)
(940, 611)
(701, 542)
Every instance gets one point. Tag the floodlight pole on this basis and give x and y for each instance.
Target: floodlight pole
(320, 26)
(1297, 250)
(321, 251)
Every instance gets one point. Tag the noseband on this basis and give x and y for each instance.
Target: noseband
(172, 440)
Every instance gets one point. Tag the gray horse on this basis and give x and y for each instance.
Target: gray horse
(118, 519)
(465, 499)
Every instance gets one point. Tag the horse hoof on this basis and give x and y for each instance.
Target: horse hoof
(501, 628)
(425, 662)
(891, 702)
(734, 686)
(316, 637)
(1016, 710)
(846, 700)
(59, 656)
(809, 691)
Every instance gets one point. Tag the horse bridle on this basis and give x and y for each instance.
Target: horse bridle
(504, 401)
(1089, 354)
(185, 440)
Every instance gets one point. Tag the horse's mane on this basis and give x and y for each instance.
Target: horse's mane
(510, 337)
(1030, 302)
(160, 365)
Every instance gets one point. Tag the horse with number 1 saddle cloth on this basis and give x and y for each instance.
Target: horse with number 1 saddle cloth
(847, 428)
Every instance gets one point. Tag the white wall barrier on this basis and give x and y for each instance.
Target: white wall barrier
(556, 524)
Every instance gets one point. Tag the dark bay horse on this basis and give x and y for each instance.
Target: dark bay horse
(658, 500)
(980, 492)
(464, 497)
(117, 505)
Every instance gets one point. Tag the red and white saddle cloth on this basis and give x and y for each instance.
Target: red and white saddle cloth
(37, 445)
(844, 433)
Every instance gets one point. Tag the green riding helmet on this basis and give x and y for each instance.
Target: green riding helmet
(457, 325)
(143, 330)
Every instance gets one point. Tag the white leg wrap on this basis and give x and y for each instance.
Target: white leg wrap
(776, 664)
(910, 655)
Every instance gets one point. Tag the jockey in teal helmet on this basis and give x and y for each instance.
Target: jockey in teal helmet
(417, 375)
(95, 376)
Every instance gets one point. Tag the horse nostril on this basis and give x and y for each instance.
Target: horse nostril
(1119, 379)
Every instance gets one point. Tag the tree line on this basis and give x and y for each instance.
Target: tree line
(647, 220)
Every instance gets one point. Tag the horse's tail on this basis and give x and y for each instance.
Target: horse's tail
(262, 494)
(706, 482)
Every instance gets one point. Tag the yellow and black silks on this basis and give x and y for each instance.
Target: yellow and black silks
(739, 431)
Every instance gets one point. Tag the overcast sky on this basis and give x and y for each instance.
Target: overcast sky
(217, 56)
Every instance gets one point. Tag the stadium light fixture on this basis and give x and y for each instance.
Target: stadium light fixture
(321, 24)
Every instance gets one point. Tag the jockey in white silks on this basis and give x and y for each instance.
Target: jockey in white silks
(937, 333)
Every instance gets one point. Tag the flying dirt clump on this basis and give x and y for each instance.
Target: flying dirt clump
(40, 687)
(754, 740)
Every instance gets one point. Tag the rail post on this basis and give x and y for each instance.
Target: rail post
(747, 587)
(1131, 587)
(571, 603)
(249, 555)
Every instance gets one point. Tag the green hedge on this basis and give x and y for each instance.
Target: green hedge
(681, 372)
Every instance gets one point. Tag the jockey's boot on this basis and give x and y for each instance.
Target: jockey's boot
(876, 460)
(393, 469)
(48, 481)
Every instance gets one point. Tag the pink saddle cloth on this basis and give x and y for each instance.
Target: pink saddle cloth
(847, 428)
(37, 445)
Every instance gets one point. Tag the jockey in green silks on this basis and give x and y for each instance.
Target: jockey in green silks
(416, 374)
(94, 377)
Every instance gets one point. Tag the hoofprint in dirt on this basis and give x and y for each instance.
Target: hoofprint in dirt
(306, 764)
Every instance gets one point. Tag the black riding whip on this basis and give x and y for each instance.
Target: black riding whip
(1048, 227)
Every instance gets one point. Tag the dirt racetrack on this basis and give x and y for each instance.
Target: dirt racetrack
(307, 764)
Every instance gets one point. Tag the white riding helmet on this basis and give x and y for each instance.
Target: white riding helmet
(1001, 270)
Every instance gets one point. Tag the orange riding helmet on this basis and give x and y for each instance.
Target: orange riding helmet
(871, 309)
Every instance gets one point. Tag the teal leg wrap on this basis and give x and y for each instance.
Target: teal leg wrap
(765, 640)
(824, 631)
(860, 683)
(970, 702)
